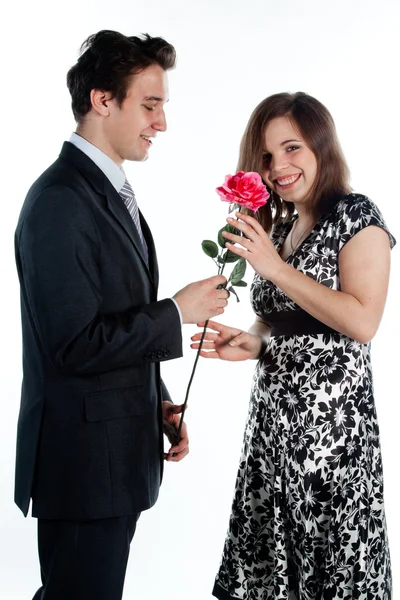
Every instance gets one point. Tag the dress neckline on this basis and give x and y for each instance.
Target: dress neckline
(289, 224)
(282, 238)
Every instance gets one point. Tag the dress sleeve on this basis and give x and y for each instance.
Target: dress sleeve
(354, 213)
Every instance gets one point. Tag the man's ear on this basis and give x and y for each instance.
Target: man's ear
(100, 100)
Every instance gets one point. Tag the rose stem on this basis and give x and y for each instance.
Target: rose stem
(178, 433)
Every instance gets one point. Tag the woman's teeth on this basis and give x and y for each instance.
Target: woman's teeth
(287, 180)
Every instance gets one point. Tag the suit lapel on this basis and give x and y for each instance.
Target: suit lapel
(115, 205)
(153, 264)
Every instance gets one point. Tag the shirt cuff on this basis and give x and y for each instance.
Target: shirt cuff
(178, 309)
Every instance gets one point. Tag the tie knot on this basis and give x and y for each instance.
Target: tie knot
(126, 189)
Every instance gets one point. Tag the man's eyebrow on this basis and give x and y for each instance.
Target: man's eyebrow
(153, 99)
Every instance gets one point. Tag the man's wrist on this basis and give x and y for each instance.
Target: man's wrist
(178, 309)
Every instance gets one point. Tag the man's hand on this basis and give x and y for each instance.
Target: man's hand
(202, 300)
(171, 423)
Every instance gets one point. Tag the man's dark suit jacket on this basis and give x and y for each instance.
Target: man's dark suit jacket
(90, 442)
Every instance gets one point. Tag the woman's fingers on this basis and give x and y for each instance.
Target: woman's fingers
(245, 228)
(237, 239)
(208, 337)
(216, 340)
(243, 253)
(209, 354)
(211, 325)
(222, 329)
(239, 339)
(205, 346)
(251, 222)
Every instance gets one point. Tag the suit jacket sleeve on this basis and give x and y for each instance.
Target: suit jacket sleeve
(59, 255)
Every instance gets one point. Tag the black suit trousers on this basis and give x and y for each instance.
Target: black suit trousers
(84, 560)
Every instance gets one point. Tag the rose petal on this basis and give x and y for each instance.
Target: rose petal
(245, 189)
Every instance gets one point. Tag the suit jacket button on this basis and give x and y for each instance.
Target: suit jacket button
(153, 355)
(166, 353)
(160, 354)
(147, 355)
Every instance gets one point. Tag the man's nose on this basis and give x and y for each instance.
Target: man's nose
(160, 123)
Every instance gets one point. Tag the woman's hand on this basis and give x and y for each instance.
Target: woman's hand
(258, 249)
(227, 343)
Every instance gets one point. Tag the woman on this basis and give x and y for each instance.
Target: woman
(308, 518)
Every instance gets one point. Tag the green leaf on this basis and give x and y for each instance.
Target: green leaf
(210, 248)
(229, 229)
(238, 271)
(230, 289)
(229, 257)
(240, 284)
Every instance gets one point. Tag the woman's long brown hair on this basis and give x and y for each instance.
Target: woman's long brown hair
(317, 128)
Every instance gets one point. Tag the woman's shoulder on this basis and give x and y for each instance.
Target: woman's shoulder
(354, 205)
(354, 212)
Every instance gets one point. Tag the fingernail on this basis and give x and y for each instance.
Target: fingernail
(229, 219)
(232, 343)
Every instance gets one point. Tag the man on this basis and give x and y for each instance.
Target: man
(90, 432)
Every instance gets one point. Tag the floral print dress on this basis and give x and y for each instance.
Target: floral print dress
(308, 519)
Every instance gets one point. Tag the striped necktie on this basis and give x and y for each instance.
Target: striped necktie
(127, 195)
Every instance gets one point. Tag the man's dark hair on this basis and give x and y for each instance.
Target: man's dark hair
(107, 62)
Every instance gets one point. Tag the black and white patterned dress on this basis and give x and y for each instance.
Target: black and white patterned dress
(308, 519)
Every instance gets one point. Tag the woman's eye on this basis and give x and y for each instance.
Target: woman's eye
(292, 148)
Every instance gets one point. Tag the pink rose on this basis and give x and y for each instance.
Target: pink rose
(244, 189)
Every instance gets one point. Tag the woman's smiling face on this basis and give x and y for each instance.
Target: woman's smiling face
(289, 166)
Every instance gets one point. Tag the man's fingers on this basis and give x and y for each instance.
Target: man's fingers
(179, 447)
(176, 409)
(217, 280)
(178, 451)
(178, 457)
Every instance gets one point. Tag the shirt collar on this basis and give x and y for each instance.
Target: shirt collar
(111, 170)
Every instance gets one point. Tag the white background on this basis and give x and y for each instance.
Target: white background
(231, 55)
